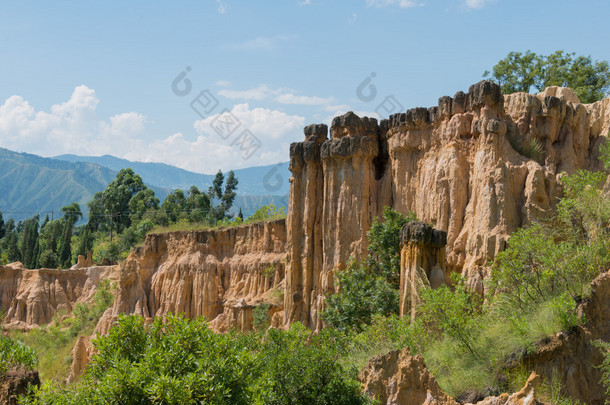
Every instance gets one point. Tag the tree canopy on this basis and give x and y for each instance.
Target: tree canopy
(518, 71)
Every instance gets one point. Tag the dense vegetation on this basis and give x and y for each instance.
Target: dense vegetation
(119, 217)
(521, 71)
(53, 343)
(179, 361)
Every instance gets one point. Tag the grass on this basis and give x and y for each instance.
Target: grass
(458, 371)
(54, 342)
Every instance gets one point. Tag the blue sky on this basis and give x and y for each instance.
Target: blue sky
(96, 78)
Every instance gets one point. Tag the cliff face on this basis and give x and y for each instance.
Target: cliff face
(217, 274)
(453, 165)
(33, 297)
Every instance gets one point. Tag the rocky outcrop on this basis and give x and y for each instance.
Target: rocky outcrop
(218, 274)
(32, 297)
(455, 165)
(422, 263)
(15, 383)
(572, 358)
(399, 378)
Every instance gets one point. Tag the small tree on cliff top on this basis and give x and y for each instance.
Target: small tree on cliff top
(589, 79)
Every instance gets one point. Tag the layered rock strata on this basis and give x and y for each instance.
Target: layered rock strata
(422, 263)
(219, 274)
(461, 165)
(33, 297)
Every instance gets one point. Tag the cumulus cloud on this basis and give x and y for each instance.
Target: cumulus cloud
(69, 127)
(73, 127)
(280, 95)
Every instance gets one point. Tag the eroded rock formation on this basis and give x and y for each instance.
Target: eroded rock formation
(422, 263)
(399, 378)
(218, 274)
(454, 165)
(15, 383)
(572, 359)
(33, 297)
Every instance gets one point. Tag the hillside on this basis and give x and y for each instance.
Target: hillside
(31, 184)
(251, 180)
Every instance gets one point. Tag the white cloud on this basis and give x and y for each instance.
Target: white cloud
(279, 95)
(223, 83)
(69, 127)
(73, 127)
(305, 3)
(478, 4)
(400, 3)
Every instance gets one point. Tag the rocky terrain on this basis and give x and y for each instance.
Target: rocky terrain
(452, 164)
(455, 165)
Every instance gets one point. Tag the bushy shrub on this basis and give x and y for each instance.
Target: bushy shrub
(14, 354)
(180, 361)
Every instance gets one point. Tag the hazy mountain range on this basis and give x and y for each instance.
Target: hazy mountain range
(30, 184)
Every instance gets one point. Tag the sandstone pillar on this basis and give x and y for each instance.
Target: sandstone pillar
(422, 263)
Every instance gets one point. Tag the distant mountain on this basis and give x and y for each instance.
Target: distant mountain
(31, 184)
(262, 180)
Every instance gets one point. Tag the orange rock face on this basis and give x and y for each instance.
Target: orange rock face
(217, 274)
(33, 297)
(454, 165)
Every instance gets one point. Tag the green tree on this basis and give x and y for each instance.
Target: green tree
(144, 201)
(589, 79)
(10, 242)
(174, 204)
(72, 213)
(2, 229)
(384, 244)
(370, 288)
(29, 243)
(197, 205)
(362, 295)
(86, 242)
(111, 208)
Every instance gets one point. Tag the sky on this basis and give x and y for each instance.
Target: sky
(225, 84)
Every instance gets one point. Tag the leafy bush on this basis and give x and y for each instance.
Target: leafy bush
(370, 288)
(14, 354)
(260, 316)
(362, 295)
(266, 213)
(179, 361)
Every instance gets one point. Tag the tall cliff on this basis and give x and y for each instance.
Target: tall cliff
(454, 165)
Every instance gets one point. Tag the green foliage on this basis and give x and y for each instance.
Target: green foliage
(29, 243)
(362, 294)
(266, 213)
(384, 244)
(521, 71)
(179, 361)
(14, 354)
(55, 341)
(370, 288)
(453, 313)
(260, 316)
(303, 368)
(527, 145)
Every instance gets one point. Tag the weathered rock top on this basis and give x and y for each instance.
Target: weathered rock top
(422, 233)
